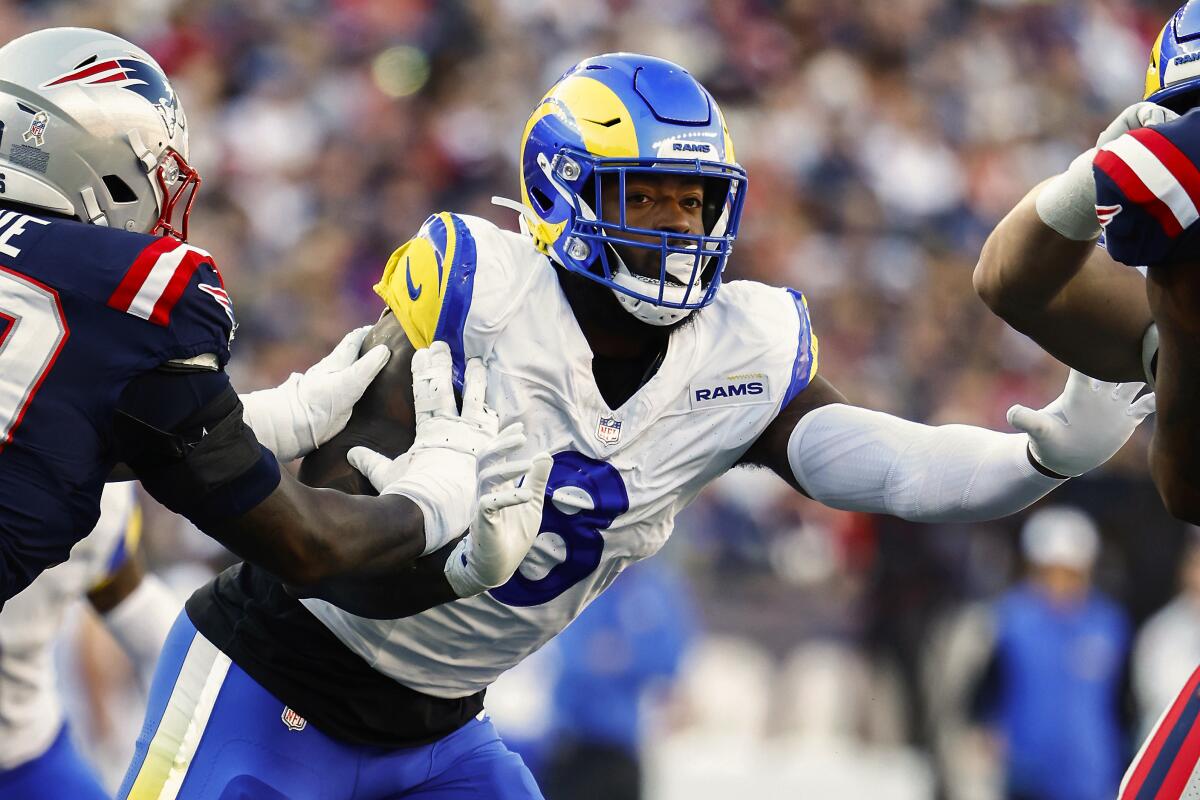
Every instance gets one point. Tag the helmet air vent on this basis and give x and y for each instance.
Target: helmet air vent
(119, 190)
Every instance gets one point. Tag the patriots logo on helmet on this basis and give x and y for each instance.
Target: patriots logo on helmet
(133, 74)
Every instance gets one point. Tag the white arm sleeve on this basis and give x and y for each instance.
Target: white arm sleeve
(860, 460)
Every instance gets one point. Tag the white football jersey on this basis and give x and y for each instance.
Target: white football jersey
(620, 475)
(30, 711)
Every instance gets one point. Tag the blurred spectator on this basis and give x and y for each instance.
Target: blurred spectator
(1052, 690)
(1168, 646)
(621, 654)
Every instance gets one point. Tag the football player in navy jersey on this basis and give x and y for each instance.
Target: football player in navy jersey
(114, 335)
(1137, 195)
(1043, 273)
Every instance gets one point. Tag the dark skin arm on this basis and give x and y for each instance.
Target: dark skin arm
(1174, 295)
(1070, 297)
(770, 449)
(306, 536)
(301, 534)
(383, 420)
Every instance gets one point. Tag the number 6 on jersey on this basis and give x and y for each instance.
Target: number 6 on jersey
(584, 496)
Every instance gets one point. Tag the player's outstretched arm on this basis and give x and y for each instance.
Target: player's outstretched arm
(861, 460)
(1042, 273)
(185, 436)
(1174, 294)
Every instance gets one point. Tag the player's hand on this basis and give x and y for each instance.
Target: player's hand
(1067, 202)
(305, 411)
(1138, 115)
(1085, 426)
(440, 471)
(508, 521)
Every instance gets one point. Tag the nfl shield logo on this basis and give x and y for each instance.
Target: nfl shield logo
(293, 720)
(609, 430)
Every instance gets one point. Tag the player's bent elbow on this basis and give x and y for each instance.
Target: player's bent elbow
(989, 285)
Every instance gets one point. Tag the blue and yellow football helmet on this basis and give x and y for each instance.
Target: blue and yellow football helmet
(605, 117)
(1173, 77)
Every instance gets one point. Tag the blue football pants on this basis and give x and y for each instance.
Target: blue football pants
(60, 773)
(213, 733)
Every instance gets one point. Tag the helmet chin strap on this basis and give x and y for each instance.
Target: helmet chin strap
(644, 310)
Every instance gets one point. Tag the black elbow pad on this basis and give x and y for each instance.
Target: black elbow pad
(210, 468)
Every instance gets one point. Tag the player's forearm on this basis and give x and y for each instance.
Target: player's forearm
(1174, 294)
(419, 587)
(1076, 303)
(307, 535)
(860, 460)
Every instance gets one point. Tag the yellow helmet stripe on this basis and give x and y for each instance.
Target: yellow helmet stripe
(1154, 72)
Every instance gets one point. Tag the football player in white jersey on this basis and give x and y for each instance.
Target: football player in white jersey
(37, 757)
(605, 329)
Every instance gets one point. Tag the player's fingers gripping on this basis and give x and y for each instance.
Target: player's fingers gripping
(493, 503)
(358, 376)
(377, 467)
(474, 390)
(504, 444)
(501, 473)
(433, 384)
(536, 481)
(1138, 115)
(345, 353)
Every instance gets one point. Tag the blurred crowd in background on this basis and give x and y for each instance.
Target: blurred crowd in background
(814, 652)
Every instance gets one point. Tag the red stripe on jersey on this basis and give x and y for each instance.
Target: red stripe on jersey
(136, 276)
(1132, 187)
(95, 69)
(1159, 738)
(1173, 159)
(161, 315)
(1175, 782)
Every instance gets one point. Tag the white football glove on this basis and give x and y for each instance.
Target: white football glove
(305, 411)
(1138, 115)
(1085, 426)
(1067, 203)
(508, 521)
(439, 471)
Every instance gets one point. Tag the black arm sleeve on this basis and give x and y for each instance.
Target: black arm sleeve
(182, 434)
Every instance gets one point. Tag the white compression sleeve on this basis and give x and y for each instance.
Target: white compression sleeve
(140, 624)
(860, 460)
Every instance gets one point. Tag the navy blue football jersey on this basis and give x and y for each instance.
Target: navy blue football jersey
(1148, 193)
(83, 310)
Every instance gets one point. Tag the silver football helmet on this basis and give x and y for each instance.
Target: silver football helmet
(91, 128)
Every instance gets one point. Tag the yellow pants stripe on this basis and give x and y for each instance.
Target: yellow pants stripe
(178, 736)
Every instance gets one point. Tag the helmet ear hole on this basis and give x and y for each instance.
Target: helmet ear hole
(119, 190)
(540, 199)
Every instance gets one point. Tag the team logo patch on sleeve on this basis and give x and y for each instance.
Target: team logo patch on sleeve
(1106, 214)
(745, 389)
